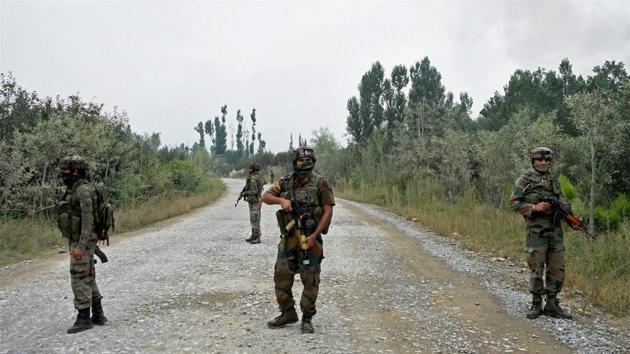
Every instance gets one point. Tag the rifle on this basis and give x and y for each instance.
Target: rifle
(240, 196)
(560, 210)
(302, 223)
(101, 255)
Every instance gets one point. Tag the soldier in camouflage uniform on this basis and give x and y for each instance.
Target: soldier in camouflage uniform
(312, 190)
(76, 222)
(252, 191)
(544, 245)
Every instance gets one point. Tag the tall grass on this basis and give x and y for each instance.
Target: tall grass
(142, 214)
(25, 238)
(601, 269)
(22, 239)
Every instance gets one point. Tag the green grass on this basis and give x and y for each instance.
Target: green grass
(26, 238)
(600, 270)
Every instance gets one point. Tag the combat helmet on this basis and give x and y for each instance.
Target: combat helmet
(303, 151)
(254, 166)
(74, 162)
(541, 153)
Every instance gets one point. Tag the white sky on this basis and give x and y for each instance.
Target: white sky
(172, 64)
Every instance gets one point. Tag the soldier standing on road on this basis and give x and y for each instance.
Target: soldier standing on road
(305, 187)
(271, 176)
(544, 244)
(76, 222)
(252, 190)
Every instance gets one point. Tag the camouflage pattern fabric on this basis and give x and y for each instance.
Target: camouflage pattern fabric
(545, 256)
(316, 192)
(254, 187)
(287, 265)
(83, 277)
(544, 246)
(254, 218)
(253, 190)
(80, 230)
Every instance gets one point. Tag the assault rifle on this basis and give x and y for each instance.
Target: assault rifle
(561, 211)
(302, 222)
(101, 255)
(240, 196)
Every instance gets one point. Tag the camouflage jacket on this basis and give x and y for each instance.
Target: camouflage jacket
(530, 189)
(253, 187)
(76, 213)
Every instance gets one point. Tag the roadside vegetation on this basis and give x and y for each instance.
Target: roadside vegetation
(146, 182)
(414, 148)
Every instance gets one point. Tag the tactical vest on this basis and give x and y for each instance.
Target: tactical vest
(306, 193)
(255, 197)
(536, 189)
(69, 212)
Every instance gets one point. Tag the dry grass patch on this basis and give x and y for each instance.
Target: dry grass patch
(26, 238)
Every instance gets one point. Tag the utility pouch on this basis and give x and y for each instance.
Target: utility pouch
(283, 219)
(64, 218)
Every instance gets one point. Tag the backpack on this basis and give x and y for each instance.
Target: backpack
(103, 214)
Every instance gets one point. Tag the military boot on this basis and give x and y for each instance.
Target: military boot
(307, 326)
(536, 310)
(285, 318)
(553, 309)
(82, 323)
(255, 240)
(98, 317)
(250, 238)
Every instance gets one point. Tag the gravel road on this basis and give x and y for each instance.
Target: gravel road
(193, 285)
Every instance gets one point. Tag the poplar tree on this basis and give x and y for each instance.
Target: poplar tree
(252, 116)
(199, 129)
(239, 133)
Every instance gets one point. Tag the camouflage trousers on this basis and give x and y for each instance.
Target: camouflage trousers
(545, 256)
(289, 262)
(254, 217)
(83, 277)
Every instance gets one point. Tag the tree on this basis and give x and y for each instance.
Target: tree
(252, 116)
(426, 83)
(239, 133)
(370, 95)
(209, 129)
(592, 114)
(353, 121)
(608, 78)
(399, 82)
(200, 129)
(220, 131)
(261, 144)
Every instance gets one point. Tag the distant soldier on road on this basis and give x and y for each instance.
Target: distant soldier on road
(271, 176)
(544, 244)
(251, 192)
(310, 193)
(76, 222)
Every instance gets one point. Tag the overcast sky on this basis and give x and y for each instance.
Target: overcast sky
(172, 64)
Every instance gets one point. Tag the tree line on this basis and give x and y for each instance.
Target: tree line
(36, 132)
(405, 129)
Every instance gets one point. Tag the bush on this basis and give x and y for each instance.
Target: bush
(610, 218)
(184, 175)
(567, 188)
